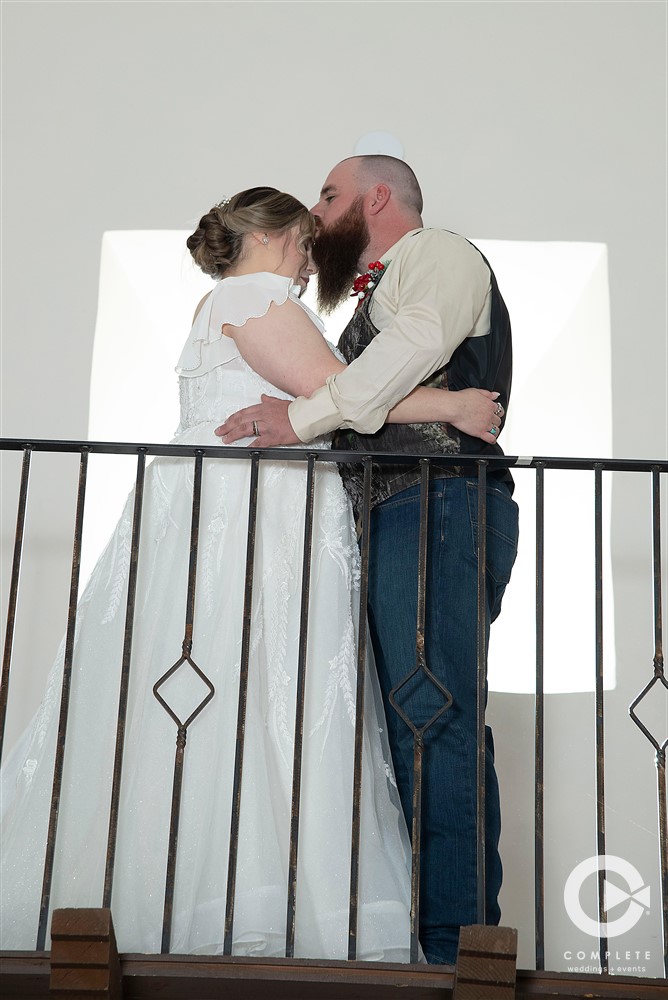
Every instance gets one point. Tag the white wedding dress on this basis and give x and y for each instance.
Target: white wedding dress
(214, 383)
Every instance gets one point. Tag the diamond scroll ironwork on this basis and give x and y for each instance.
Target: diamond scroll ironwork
(181, 735)
(659, 678)
(420, 668)
(184, 659)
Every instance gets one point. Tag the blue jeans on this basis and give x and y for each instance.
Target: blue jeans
(448, 889)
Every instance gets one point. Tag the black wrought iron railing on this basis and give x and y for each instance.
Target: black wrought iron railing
(539, 466)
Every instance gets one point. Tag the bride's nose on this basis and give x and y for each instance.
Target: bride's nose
(311, 267)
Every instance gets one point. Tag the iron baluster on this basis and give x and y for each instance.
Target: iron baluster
(418, 732)
(359, 713)
(241, 711)
(64, 706)
(14, 592)
(125, 680)
(539, 845)
(299, 710)
(182, 726)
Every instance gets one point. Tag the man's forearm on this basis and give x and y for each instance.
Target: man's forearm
(477, 412)
(361, 396)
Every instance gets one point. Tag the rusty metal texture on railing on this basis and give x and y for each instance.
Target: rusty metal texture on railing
(13, 593)
(494, 462)
(481, 694)
(539, 744)
(299, 711)
(599, 728)
(182, 725)
(482, 468)
(421, 667)
(125, 680)
(64, 706)
(359, 712)
(658, 678)
(241, 710)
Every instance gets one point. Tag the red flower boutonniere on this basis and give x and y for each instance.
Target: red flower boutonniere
(367, 281)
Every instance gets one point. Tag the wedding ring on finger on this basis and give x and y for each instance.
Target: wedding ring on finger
(494, 430)
(498, 410)
(256, 429)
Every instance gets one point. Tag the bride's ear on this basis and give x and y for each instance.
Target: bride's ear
(261, 238)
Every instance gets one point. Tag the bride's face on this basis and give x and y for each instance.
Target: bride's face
(297, 262)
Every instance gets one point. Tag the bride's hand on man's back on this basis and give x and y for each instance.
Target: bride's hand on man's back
(478, 410)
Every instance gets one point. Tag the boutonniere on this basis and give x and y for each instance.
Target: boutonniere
(367, 281)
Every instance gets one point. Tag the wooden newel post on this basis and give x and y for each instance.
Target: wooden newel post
(486, 963)
(84, 958)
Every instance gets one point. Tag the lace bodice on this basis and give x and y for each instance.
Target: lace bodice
(212, 397)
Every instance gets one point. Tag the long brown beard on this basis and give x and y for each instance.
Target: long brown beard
(336, 252)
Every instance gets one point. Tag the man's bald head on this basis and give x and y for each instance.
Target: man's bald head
(380, 169)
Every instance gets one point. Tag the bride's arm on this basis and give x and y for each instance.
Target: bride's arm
(285, 348)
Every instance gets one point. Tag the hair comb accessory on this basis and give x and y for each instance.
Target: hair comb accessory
(223, 203)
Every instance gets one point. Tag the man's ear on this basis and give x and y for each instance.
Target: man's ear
(379, 197)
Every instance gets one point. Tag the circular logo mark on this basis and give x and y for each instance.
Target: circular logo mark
(637, 896)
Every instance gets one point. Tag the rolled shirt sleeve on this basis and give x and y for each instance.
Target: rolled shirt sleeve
(434, 294)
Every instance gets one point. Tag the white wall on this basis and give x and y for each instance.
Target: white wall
(532, 121)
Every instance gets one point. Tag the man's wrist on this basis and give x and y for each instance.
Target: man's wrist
(294, 421)
(314, 416)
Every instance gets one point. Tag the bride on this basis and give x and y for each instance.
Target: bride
(259, 245)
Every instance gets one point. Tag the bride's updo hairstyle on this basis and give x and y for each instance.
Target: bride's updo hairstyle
(218, 242)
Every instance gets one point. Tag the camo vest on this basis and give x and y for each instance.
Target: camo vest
(483, 362)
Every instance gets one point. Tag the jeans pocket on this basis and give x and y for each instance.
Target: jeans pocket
(411, 495)
(502, 530)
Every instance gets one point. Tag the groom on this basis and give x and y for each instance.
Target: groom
(429, 312)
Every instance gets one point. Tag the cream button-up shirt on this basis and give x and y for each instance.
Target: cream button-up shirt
(435, 292)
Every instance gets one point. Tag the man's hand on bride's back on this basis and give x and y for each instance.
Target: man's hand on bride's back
(267, 422)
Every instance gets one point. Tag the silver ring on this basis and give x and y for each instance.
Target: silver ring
(494, 430)
(256, 429)
(498, 410)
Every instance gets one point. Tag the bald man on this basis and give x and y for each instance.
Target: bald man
(431, 314)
